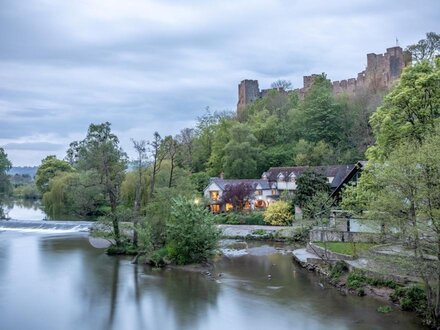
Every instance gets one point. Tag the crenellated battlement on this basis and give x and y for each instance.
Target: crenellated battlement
(381, 72)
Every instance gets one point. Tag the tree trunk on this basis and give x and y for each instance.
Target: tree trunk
(171, 173)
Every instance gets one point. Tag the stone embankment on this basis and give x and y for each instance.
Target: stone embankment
(282, 233)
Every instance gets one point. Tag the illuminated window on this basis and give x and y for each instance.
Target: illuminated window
(214, 195)
(215, 208)
(228, 207)
(274, 192)
(258, 192)
(260, 204)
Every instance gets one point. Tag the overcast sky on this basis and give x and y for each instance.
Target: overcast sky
(155, 65)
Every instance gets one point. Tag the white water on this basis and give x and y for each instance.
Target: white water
(44, 226)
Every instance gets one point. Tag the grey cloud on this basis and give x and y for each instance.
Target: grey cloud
(155, 65)
(33, 146)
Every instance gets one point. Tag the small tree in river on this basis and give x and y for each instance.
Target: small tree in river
(100, 151)
(191, 233)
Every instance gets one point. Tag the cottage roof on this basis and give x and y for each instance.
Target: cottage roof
(222, 183)
(337, 172)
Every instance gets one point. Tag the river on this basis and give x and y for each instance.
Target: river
(55, 279)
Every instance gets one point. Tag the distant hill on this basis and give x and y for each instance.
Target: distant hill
(20, 170)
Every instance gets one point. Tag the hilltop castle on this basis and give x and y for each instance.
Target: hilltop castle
(381, 71)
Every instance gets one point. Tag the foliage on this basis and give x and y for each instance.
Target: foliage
(426, 49)
(278, 214)
(308, 184)
(313, 154)
(281, 83)
(409, 112)
(241, 218)
(384, 309)
(191, 234)
(400, 186)
(339, 268)
(75, 193)
(347, 248)
(100, 152)
(200, 180)
(241, 154)
(27, 191)
(49, 168)
(5, 166)
(411, 298)
(301, 234)
(320, 114)
(237, 195)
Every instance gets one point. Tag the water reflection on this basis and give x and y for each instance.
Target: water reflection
(22, 209)
(62, 282)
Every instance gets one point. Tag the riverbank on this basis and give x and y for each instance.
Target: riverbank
(360, 277)
(271, 233)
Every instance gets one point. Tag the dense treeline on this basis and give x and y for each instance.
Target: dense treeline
(281, 130)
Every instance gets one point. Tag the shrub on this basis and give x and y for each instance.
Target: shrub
(278, 214)
(356, 279)
(411, 298)
(191, 234)
(301, 234)
(248, 218)
(338, 269)
(384, 309)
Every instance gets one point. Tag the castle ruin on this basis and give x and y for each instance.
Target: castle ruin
(381, 72)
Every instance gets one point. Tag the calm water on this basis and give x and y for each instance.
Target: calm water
(59, 281)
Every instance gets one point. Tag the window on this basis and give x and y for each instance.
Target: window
(214, 195)
(228, 207)
(274, 192)
(258, 192)
(260, 204)
(215, 208)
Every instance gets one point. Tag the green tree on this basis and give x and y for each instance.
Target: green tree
(319, 116)
(100, 151)
(426, 49)
(309, 184)
(220, 139)
(278, 214)
(408, 202)
(49, 168)
(313, 154)
(141, 150)
(410, 110)
(157, 153)
(191, 234)
(241, 154)
(5, 166)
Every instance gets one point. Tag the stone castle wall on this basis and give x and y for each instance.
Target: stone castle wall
(381, 72)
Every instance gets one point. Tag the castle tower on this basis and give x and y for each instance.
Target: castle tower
(248, 92)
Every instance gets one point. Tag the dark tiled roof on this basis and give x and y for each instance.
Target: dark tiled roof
(338, 172)
(222, 183)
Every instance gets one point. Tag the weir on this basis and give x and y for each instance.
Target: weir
(45, 226)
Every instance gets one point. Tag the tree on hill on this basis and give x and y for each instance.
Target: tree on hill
(281, 83)
(241, 153)
(426, 49)
(410, 111)
(319, 116)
